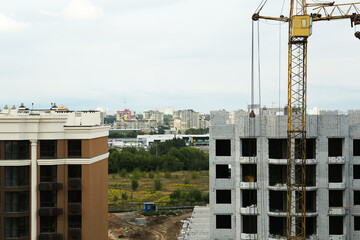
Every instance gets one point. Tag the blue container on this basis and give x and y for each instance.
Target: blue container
(149, 206)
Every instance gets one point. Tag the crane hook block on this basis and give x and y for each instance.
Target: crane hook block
(357, 34)
(255, 17)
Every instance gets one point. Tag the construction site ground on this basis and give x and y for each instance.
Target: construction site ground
(122, 226)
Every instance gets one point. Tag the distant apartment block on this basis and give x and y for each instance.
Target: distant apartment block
(53, 174)
(166, 111)
(185, 119)
(203, 122)
(142, 125)
(154, 115)
(248, 172)
(125, 115)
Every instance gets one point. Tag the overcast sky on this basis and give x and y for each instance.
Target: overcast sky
(163, 53)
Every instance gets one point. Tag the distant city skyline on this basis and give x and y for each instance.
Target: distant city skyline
(160, 53)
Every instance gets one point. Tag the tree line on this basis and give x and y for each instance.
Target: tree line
(171, 155)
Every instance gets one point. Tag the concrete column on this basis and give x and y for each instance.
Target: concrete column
(33, 191)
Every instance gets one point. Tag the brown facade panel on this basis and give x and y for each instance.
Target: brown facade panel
(94, 199)
(94, 147)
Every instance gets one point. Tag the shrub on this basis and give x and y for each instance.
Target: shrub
(134, 184)
(136, 173)
(176, 176)
(167, 174)
(157, 185)
(124, 196)
(151, 174)
(123, 173)
(143, 174)
(186, 181)
(194, 175)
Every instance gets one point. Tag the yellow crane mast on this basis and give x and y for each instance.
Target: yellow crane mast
(300, 28)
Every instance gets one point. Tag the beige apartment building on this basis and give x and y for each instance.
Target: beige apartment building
(53, 174)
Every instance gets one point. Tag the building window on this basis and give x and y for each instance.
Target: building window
(74, 171)
(17, 176)
(336, 225)
(248, 147)
(48, 198)
(277, 148)
(356, 171)
(223, 171)
(18, 150)
(48, 173)
(249, 224)
(356, 223)
(335, 147)
(223, 196)
(356, 147)
(223, 147)
(17, 201)
(16, 227)
(48, 148)
(223, 221)
(356, 197)
(336, 198)
(249, 172)
(74, 221)
(74, 196)
(74, 148)
(48, 224)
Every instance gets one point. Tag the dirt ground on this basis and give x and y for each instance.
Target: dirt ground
(122, 226)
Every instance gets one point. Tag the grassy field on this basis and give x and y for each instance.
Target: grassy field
(120, 186)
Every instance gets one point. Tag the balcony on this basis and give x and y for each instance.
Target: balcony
(337, 237)
(250, 210)
(277, 161)
(277, 213)
(337, 186)
(74, 233)
(248, 185)
(249, 236)
(74, 209)
(50, 186)
(336, 160)
(278, 187)
(50, 236)
(337, 211)
(248, 160)
(74, 183)
(50, 211)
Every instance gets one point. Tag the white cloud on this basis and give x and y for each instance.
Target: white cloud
(82, 9)
(7, 24)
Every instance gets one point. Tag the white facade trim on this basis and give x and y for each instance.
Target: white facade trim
(14, 163)
(33, 191)
(72, 161)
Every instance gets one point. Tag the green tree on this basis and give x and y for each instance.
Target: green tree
(134, 184)
(157, 185)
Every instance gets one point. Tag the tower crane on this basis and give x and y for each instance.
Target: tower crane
(300, 29)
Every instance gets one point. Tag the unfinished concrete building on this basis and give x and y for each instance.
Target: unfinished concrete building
(248, 176)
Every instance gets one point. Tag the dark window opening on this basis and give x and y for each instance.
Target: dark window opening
(16, 227)
(223, 196)
(249, 172)
(310, 171)
(310, 148)
(48, 148)
(356, 197)
(335, 198)
(356, 223)
(48, 198)
(223, 147)
(17, 201)
(356, 170)
(223, 221)
(249, 224)
(48, 173)
(335, 173)
(223, 171)
(18, 150)
(310, 201)
(277, 201)
(310, 226)
(17, 176)
(356, 147)
(48, 224)
(74, 221)
(249, 198)
(74, 171)
(74, 196)
(74, 148)
(336, 225)
(278, 148)
(335, 146)
(277, 174)
(277, 226)
(248, 148)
